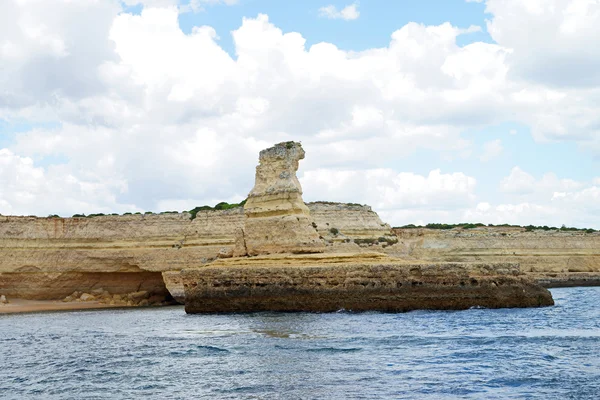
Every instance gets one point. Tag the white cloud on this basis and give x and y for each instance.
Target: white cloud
(169, 115)
(26, 189)
(386, 190)
(491, 150)
(348, 13)
(551, 40)
(546, 201)
(555, 58)
(520, 182)
(184, 6)
(517, 214)
(45, 56)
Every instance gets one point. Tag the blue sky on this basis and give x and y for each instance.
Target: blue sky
(378, 19)
(408, 112)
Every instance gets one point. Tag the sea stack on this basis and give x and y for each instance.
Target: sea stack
(277, 220)
(281, 264)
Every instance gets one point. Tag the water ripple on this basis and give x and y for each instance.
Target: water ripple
(546, 353)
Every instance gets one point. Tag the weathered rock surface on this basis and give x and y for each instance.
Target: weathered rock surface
(354, 282)
(50, 258)
(277, 220)
(341, 222)
(553, 258)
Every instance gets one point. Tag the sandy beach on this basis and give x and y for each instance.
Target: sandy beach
(26, 306)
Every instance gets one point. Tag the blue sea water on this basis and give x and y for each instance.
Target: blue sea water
(543, 353)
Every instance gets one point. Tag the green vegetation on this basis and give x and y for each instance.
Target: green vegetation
(528, 228)
(219, 206)
(289, 145)
(365, 241)
(336, 203)
(334, 231)
(78, 215)
(53, 216)
(95, 215)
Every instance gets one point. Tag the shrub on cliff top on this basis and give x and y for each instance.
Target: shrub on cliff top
(219, 206)
(95, 215)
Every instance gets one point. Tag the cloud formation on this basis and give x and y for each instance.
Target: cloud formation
(348, 13)
(152, 117)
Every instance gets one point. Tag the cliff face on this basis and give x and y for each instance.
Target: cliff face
(50, 258)
(545, 255)
(350, 221)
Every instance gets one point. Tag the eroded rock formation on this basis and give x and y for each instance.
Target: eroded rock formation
(356, 282)
(277, 220)
(50, 258)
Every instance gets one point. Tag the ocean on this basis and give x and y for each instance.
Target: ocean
(538, 353)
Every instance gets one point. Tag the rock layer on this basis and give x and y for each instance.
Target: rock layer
(35, 251)
(355, 282)
(553, 258)
(277, 220)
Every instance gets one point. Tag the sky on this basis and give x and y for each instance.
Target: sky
(428, 111)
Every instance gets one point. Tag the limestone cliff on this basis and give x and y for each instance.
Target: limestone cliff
(341, 221)
(277, 220)
(50, 258)
(551, 257)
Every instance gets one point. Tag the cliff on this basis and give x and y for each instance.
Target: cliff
(50, 258)
(554, 258)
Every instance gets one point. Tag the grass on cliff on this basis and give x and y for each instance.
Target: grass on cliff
(219, 206)
(528, 228)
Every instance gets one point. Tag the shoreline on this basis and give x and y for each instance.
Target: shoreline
(22, 306)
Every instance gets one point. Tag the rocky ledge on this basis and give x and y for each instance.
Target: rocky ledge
(328, 283)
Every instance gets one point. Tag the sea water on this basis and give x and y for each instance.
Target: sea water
(537, 353)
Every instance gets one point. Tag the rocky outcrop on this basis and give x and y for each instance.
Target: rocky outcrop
(277, 220)
(354, 282)
(553, 258)
(50, 258)
(343, 222)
